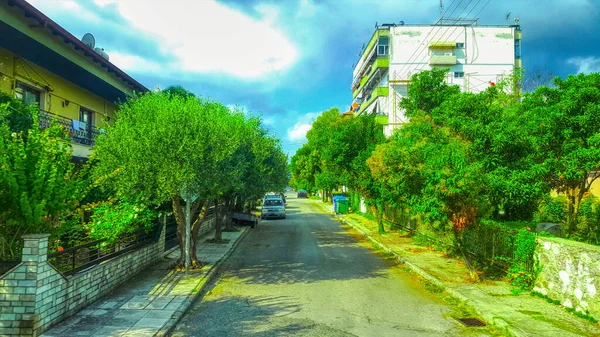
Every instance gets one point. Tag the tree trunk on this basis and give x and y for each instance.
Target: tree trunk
(196, 263)
(380, 218)
(228, 210)
(323, 196)
(218, 231)
(181, 233)
(572, 215)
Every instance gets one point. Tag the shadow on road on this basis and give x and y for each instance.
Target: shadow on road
(300, 251)
(241, 316)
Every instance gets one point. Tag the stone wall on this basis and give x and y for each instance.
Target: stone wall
(570, 273)
(34, 296)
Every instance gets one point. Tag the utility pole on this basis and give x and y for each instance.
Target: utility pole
(441, 10)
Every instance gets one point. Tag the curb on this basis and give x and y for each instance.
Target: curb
(191, 298)
(489, 318)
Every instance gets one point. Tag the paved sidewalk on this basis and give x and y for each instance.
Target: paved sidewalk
(517, 315)
(152, 301)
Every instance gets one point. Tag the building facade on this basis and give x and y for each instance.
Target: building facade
(41, 63)
(476, 56)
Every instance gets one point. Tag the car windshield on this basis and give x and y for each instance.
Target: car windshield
(273, 202)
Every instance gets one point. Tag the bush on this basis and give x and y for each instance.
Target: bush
(552, 209)
(114, 221)
(588, 221)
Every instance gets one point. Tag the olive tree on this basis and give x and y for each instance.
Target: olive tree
(163, 144)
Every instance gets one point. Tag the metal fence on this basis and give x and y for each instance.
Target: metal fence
(81, 257)
(492, 246)
(86, 135)
(7, 265)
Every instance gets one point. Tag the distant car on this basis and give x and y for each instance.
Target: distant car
(302, 194)
(273, 208)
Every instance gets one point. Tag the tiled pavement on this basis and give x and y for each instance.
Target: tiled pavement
(146, 302)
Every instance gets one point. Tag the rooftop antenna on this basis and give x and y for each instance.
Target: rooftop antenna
(507, 17)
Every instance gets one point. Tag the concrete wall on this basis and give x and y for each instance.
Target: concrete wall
(34, 296)
(570, 273)
(488, 52)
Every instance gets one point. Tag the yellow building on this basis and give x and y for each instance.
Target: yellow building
(41, 63)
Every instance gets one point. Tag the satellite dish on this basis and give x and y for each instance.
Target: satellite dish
(101, 52)
(89, 40)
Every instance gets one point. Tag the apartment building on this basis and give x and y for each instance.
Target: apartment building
(476, 56)
(73, 84)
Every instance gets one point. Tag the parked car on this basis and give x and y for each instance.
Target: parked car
(273, 208)
(302, 194)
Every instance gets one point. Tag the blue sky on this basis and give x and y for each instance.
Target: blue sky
(291, 59)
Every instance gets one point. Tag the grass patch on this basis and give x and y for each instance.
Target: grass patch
(585, 315)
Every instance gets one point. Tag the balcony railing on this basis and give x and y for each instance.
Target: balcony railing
(85, 136)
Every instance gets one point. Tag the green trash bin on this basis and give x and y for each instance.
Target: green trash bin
(342, 206)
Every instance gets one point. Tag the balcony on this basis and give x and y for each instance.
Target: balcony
(442, 45)
(378, 65)
(442, 60)
(85, 136)
(378, 92)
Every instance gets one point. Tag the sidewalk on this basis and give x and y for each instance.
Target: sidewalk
(152, 302)
(517, 315)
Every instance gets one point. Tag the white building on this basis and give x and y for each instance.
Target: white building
(477, 56)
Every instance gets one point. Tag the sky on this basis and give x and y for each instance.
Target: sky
(289, 60)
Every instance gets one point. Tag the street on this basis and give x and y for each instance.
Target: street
(307, 276)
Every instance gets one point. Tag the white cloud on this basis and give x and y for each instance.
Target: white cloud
(133, 63)
(208, 37)
(586, 65)
(298, 131)
(304, 124)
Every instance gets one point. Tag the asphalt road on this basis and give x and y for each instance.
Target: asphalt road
(308, 276)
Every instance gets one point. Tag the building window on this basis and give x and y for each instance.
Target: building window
(383, 46)
(460, 45)
(517, 48)
(28, 95)
(459, 74)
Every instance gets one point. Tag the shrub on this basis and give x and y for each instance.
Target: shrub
(588, 221)
(552, 209)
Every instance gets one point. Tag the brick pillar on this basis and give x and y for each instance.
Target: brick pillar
(35, 248)
(18, 288)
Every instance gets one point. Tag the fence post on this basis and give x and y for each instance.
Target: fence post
(19, 288)
(163, 234)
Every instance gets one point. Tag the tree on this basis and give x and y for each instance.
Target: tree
(460, 157)
(567, 135)
(15, 114)
(161, 144)
(319, 138)
(36, 185)
(177, 90)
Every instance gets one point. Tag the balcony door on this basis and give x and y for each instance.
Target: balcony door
(86, 118)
